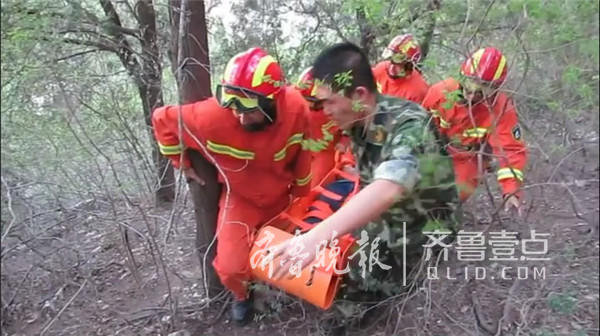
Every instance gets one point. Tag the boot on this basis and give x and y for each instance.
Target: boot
(241, 311)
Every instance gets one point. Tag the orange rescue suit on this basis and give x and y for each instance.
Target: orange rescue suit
(323, 144)
(493, 122)
(263, 170)
(411, 87)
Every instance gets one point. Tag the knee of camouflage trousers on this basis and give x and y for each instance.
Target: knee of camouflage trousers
(382, 245)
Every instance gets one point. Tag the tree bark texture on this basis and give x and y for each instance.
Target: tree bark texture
(194, 85)
(145, 70)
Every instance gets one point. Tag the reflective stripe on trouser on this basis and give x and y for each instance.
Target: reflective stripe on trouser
(170, 149)
(504, 173)
(235, 235)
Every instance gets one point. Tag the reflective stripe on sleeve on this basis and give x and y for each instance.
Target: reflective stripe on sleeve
(304, 181)
(294, 139)
(228, 150)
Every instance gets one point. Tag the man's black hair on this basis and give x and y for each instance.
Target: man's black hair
(345, 67)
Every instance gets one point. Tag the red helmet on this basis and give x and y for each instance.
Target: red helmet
(306, 84)
(403, 47)
(487, 65)
(255, 71)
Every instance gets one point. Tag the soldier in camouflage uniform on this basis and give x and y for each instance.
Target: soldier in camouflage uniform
(399, 140)
(406, 176)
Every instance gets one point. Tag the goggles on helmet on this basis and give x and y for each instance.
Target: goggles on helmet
(474, 85)
(239, 99)
(398, 58)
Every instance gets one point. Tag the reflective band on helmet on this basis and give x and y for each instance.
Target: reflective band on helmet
(294, 139)
(304, 181)
(407, 45)
(230, 66)
(169, 150)
(313, 92)
(261, 68)
(500, 68)
(228, 150)
(505, 173)
(477, 132)
(475, 60)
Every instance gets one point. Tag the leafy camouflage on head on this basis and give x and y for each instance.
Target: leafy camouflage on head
(357, 105)
(340, 83)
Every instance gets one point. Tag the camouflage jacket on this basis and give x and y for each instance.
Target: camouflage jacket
(400, 144)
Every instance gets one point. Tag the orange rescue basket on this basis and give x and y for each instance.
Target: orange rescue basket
(320, 285)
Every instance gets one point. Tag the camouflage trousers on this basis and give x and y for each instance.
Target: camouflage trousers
(388, 259)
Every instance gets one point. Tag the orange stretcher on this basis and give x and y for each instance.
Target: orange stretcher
(317, 285)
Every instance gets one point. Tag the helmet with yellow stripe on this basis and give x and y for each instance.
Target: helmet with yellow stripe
(306, 86)
(250, 83)
(254, 70)
(403, 48)
(486, 65)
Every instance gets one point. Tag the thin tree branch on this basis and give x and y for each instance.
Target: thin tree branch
(63, 308)
(97, 44)
(81, 53)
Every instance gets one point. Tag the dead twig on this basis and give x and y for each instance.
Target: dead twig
(451, 319)
(63, 308)
(12, 299)
(509, 309)
(10, 210)
(477, 312)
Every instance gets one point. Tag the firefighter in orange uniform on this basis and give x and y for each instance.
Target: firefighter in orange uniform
(398, 75)
(253, 128)
(472, 113)
(326, 137)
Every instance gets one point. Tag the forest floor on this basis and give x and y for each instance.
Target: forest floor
(74, 278)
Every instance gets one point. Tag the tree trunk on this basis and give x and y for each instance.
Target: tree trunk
(367, 36)
(194, 85)
(432, 7)
(150, 90)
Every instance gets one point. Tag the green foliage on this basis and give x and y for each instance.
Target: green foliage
(452, 98)
(564, 303)
(544, 332)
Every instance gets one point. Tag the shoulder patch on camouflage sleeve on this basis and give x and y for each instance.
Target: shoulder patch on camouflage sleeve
(377, 136)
